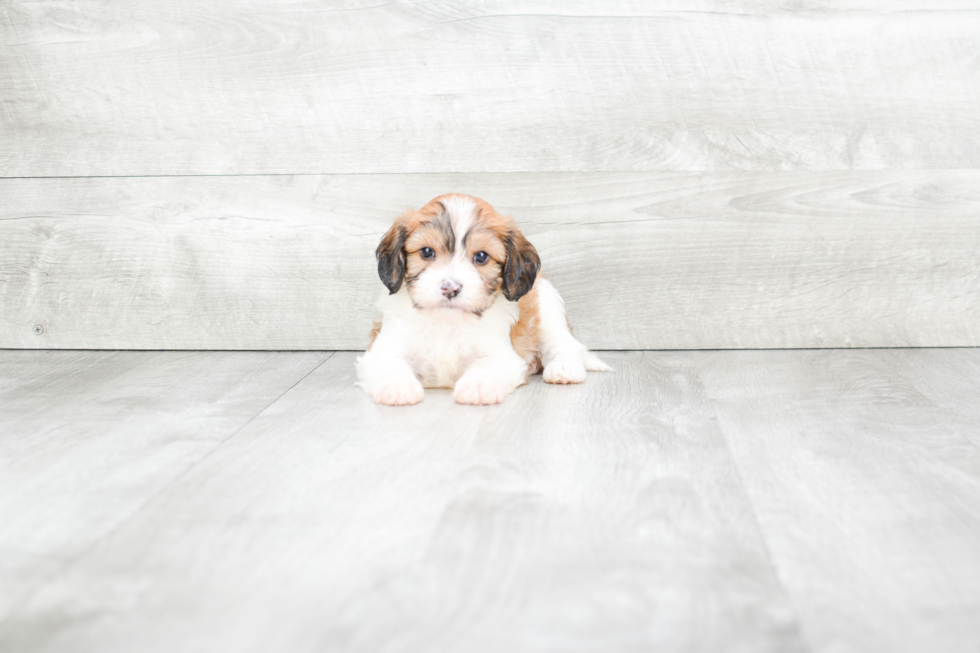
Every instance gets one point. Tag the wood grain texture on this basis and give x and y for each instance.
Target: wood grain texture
(867, 491)
(742, 501)
(949, 378)
(600, 517)
(246, 87)
(644, 260)
(87, 439)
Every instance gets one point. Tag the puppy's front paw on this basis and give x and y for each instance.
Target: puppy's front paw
(400, 393)
(478, 390)
(564, 370)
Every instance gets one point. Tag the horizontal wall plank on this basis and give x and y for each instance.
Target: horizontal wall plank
(644, 260)
(243, 87)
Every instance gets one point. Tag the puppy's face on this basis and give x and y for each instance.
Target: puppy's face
(457, 253)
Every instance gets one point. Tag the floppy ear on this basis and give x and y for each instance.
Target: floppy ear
(391, 257)
(521, 267)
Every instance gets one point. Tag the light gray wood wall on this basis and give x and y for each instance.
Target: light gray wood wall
(696, 174)
(645, 260)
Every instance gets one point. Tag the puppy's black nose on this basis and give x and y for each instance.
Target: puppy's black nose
(450, 288)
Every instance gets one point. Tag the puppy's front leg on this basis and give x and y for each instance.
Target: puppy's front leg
(489, 379)
(389, 379)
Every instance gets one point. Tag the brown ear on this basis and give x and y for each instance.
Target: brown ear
(391, 257)
(521, 267)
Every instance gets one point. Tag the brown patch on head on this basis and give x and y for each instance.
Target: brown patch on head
(391, 254)
(458, 229)
(405, 238)
(480, 239)
(518, 260)
(433, 229)
(435, 222)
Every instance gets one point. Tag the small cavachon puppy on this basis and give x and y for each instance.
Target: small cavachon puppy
(465, 310)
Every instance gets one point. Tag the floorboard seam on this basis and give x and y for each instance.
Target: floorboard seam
(804, 643)
(5, 620)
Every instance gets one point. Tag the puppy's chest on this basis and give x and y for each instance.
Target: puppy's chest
(440, 354)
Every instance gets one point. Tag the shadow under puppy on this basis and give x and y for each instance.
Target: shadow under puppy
(465, 309)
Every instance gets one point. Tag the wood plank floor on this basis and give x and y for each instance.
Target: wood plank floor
(792, 500)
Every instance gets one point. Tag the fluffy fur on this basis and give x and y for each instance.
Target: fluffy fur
(465, 308)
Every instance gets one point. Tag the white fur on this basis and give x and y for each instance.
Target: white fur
(450, 348)
(442, 348)
(428, 293)
(462, 212)
(564, 358)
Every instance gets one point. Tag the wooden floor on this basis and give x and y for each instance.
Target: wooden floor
(801, 500)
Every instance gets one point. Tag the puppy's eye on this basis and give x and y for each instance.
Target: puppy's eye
(427, 253)
(480, 258)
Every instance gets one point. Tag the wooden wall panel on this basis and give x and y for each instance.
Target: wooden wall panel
(713, 173)
(183, 87)
(644, 260)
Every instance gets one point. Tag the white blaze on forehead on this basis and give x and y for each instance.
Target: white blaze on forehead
(462, 214)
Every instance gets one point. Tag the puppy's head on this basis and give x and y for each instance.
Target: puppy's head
(457, 252)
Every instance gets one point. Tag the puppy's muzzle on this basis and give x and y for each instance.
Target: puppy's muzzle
(450, 288)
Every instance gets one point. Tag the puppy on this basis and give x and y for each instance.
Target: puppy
(465, 309)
